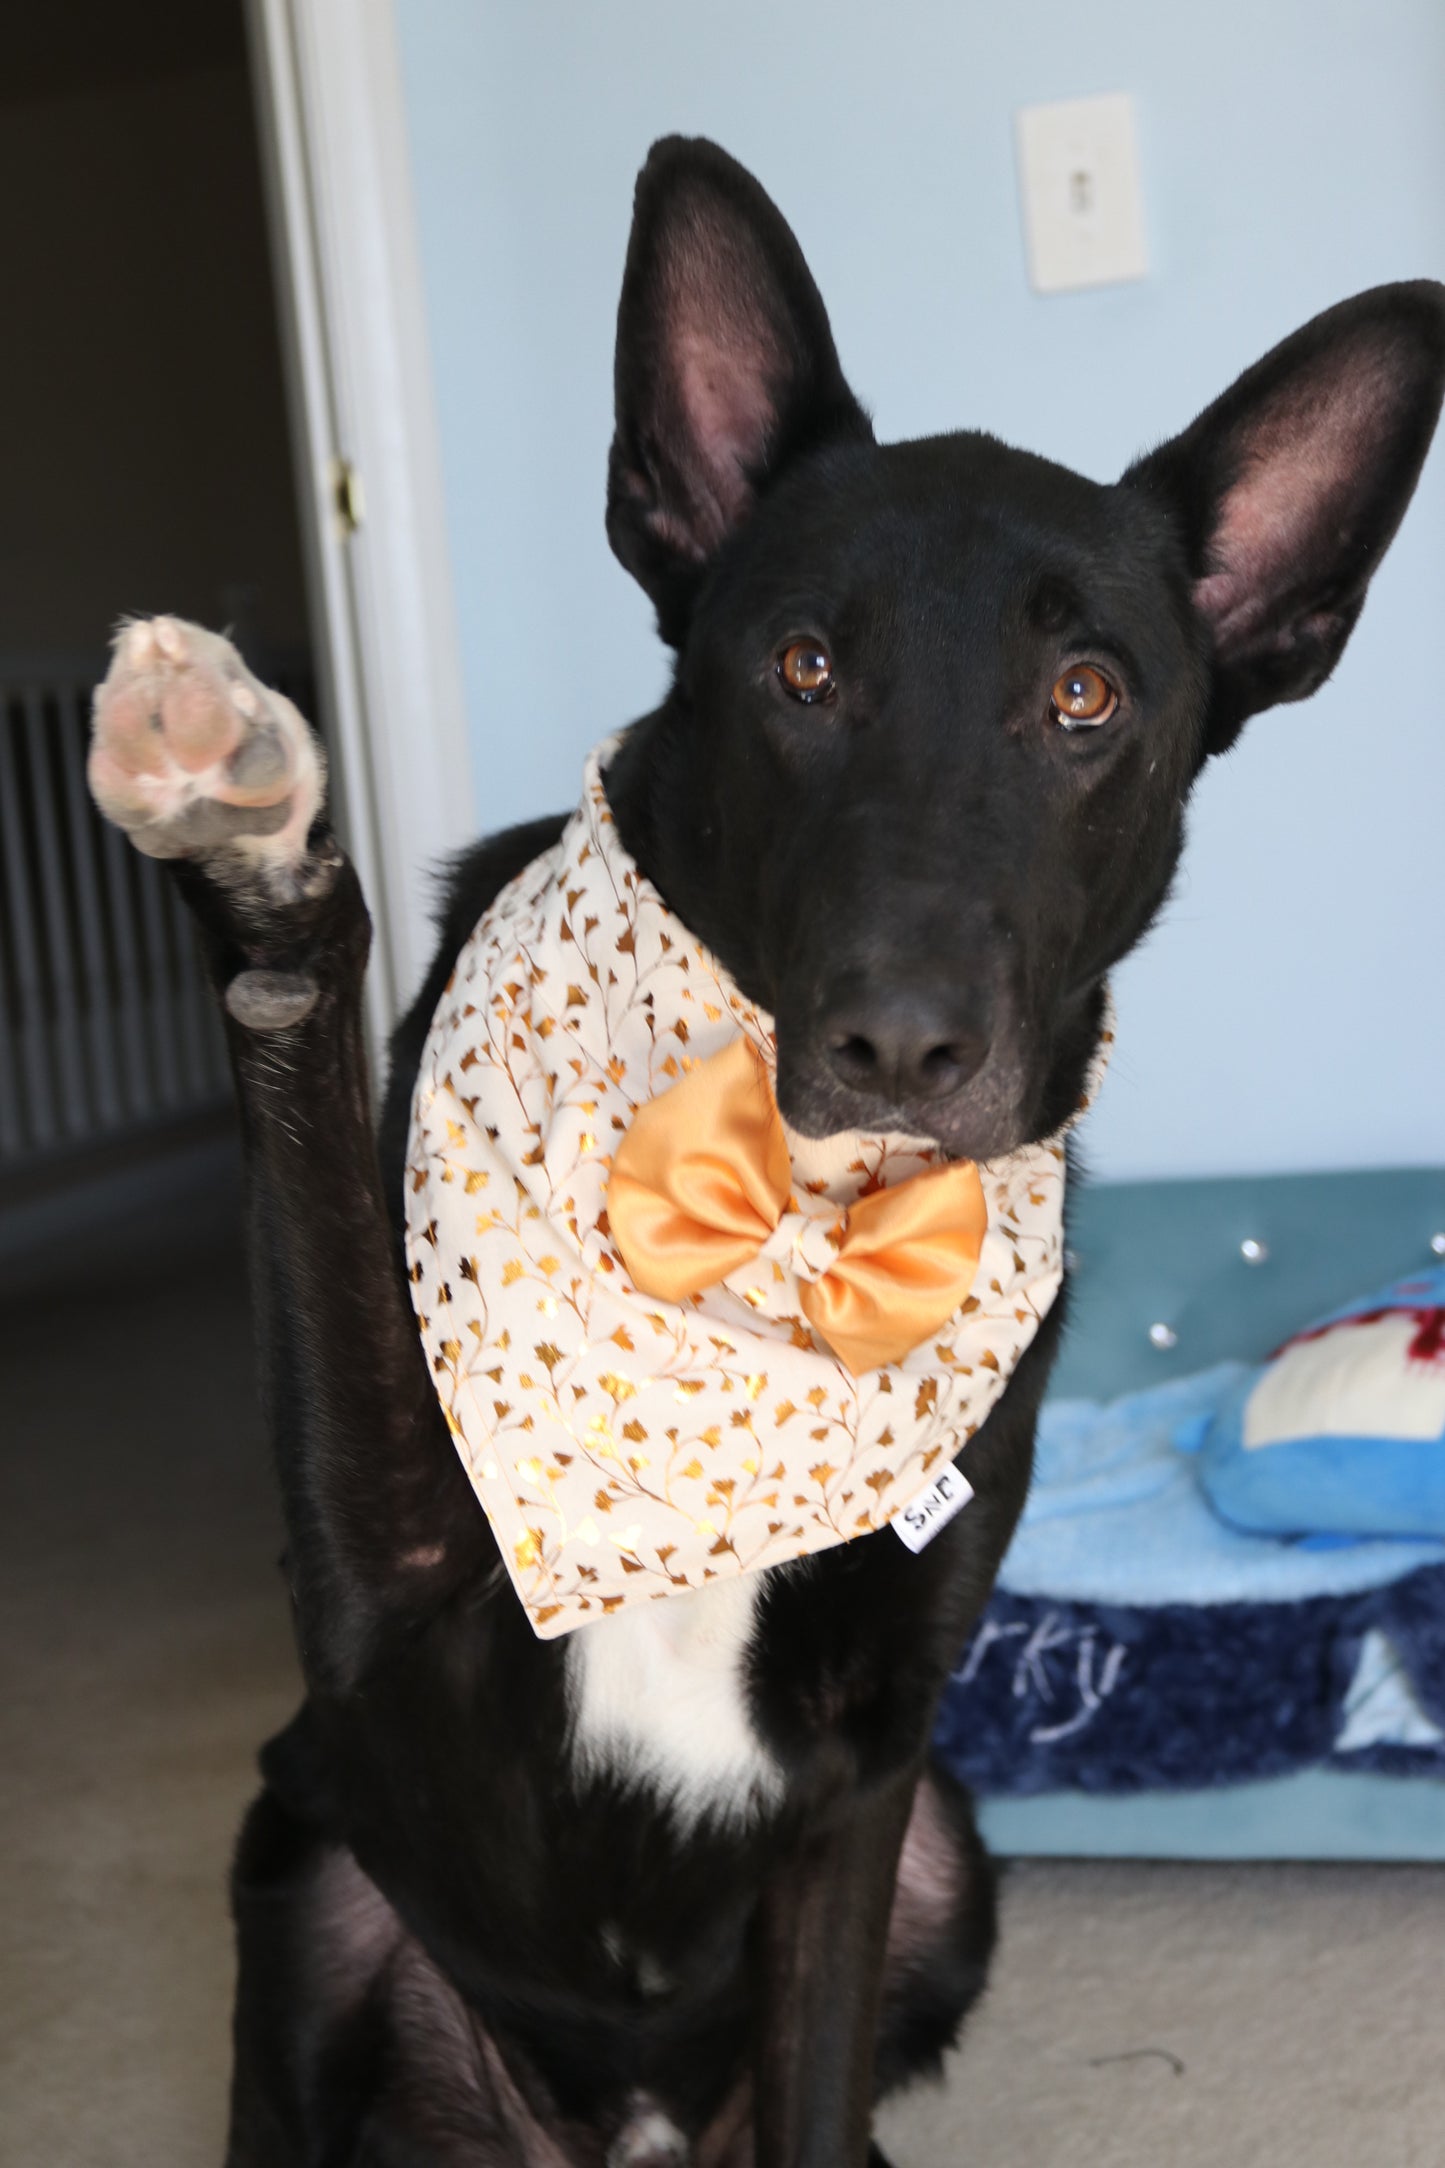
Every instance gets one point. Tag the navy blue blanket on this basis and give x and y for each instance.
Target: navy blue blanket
(1093, 1697)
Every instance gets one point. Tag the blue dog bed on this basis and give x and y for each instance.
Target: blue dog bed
(1147, 1678)
(1137, 1642)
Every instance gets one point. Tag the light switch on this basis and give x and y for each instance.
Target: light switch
(1079, 179)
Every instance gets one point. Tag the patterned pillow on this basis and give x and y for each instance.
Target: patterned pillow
(1343, 1432)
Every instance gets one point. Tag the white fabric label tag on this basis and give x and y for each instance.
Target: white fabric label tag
(920, 1520)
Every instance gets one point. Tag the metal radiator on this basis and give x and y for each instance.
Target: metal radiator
(106, 1022)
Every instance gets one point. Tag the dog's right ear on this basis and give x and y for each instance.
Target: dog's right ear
(725, 370)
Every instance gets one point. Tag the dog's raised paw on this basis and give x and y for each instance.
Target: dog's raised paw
(194, 758)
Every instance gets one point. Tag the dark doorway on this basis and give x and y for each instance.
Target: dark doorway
(145, 465)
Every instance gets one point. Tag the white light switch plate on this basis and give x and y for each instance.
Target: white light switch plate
(1079, 179)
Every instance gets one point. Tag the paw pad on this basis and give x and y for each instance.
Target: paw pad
(271, 1000)
(194, 758)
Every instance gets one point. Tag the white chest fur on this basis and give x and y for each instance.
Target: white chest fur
(658, 1696)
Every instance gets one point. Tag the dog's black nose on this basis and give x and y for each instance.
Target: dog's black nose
(907, 1044)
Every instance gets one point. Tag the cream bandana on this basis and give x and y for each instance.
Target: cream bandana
(626, 1447)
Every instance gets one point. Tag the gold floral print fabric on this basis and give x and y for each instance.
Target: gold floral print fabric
(625, 1446)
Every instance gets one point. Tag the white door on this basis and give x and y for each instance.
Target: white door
(335, 154)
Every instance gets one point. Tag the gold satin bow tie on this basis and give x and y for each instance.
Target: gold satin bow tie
(702, 1178)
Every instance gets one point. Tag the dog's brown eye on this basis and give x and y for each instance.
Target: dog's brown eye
(1082, 698)
(806, 671)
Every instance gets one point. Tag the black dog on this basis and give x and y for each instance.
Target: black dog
(919, 783)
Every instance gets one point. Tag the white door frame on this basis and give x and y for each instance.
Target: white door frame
(335, 155)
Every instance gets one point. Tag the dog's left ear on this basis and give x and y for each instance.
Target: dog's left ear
(725, 369)
(1290, 488)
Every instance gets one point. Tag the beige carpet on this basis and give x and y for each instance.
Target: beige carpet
(1141, 2017)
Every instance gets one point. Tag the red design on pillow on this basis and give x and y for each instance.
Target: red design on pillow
(1428, 1345)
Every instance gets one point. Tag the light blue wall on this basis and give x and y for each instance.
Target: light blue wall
(1289, 1013)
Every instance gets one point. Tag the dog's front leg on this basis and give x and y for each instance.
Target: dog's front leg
(202, 765)
(820, 1940)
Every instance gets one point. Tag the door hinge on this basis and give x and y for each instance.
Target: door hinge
(347, 496)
